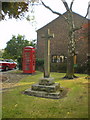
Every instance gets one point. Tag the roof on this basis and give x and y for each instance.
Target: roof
(28, 47)
(58, 18)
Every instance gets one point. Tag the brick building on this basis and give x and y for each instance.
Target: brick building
(59, 44)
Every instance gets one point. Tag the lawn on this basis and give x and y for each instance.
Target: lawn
(73, 105)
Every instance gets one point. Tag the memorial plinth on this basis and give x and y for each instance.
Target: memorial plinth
(46, 88)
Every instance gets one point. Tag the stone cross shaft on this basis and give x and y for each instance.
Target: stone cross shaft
(47, 37)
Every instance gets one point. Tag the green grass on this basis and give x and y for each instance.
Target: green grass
(74, 105)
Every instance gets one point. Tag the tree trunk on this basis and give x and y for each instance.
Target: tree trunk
(70, 67)
(71, 48)
(88, 67)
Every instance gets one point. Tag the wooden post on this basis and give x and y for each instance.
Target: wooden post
(75, 59)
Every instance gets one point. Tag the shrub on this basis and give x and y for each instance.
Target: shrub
(40, 64)
(81, 68)
(19, 61)
(58, 67)
(61, 67)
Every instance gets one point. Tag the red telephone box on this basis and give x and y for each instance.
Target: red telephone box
(28, 59)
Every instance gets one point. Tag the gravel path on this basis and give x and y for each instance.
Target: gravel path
(8, 79)
(11, 77)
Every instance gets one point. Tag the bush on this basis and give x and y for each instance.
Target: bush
(19, 61)
(40, 64)
(54, 67)
(58, 67)
(61, 67)
(81, 68)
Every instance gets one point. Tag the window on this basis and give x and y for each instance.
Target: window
(58, 58)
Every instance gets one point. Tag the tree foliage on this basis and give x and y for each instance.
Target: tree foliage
(16, 9)
(84, 31)
(15, 45)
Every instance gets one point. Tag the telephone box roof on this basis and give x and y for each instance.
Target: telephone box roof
(28, 47)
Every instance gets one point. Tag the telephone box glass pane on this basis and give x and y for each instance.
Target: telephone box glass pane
(27, 61)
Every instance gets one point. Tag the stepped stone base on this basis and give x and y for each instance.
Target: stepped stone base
(53, 95)
(46, 88)
(51, 88)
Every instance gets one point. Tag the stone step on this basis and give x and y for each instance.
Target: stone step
(46, 81)
(50, 88)
(53, 95)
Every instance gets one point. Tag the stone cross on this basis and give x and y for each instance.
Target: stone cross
(47, 37)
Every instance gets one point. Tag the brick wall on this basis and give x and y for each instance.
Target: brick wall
(59, 44)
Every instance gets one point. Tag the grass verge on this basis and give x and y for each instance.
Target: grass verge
(74, 105)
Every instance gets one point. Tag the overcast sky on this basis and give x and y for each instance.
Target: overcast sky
(42, 17)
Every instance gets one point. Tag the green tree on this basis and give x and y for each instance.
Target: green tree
(14, 47)
(72, 28)
(16, 9)
(33, 43)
